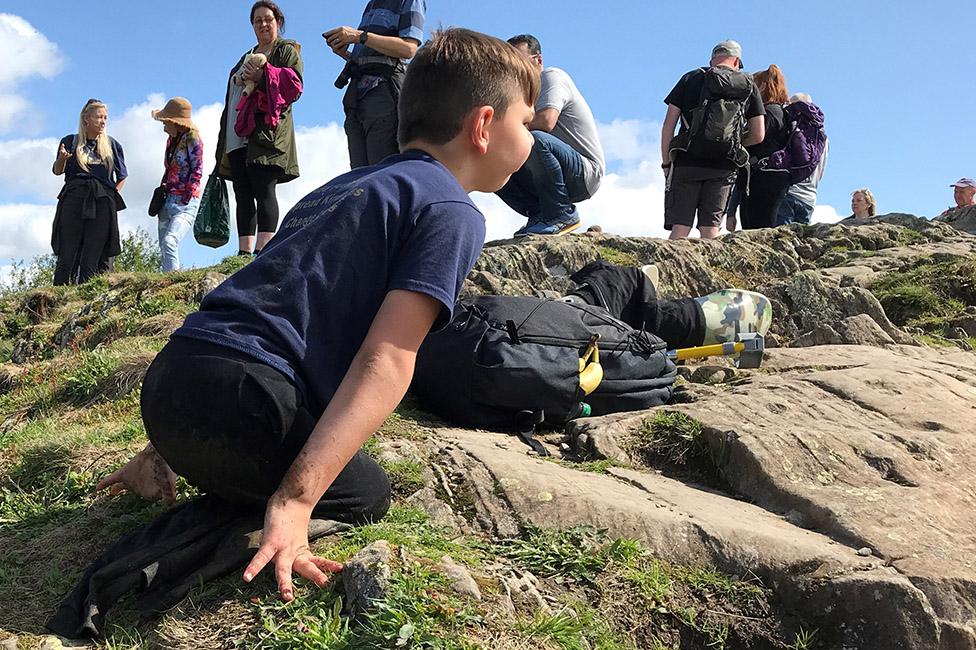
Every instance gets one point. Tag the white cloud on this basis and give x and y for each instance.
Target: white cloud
(27, 230)
(630, 200)
(26, 53)
(826, 214)
(322, 155)
(26, 166)
(630, 140)
(13, 110)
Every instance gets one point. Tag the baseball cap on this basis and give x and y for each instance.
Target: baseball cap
(964, 182)
(728, 48)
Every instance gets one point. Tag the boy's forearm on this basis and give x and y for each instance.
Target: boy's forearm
(373, 386)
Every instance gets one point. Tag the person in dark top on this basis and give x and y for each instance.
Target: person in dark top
(267, 393)
(699, 185)
(759, 206)
(388, 36)
(86, 226)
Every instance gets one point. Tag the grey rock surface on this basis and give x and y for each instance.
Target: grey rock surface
(459, 578)
(366, 577)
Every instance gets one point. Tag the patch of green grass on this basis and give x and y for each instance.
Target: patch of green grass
(905, 302)
(652, 580)
(803, 640)
(595, 466)
(928, 295)
(14, 324)
(156, 305)
(94, 288)
(229, 265)
(577, 627)
(410, 527)
(616, 256)
(709, 582)
(907, 237)
(406, 476)
(33, 397)
(672, 436)
(578, 554)
(17, 505)
(418, 611)
(82, 384)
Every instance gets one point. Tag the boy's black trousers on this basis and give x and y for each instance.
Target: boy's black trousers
(232, 426)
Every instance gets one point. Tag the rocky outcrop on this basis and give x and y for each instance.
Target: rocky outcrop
(816, 275)
(846, 477)
(963, 219)
(838, 477)
(845, 465)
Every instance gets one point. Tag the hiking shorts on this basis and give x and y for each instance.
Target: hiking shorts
(697, 190)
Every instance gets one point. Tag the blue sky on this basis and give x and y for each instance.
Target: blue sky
(894, 80)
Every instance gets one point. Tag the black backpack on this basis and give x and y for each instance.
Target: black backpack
(503, 358)
(717, 123)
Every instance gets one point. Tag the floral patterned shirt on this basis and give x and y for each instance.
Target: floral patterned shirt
(185, 168)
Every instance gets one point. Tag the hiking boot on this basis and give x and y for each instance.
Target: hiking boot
(559, 227)
(733, 311)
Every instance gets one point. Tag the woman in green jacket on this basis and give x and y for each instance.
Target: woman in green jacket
(257, 162)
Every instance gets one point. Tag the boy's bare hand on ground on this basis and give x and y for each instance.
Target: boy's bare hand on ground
(285, 542)
(147, 475)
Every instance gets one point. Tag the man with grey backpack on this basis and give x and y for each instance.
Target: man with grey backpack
(721, 112)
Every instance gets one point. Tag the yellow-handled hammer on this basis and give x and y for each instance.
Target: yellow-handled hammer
(748, 347)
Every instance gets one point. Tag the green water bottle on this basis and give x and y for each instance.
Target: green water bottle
(582, 410)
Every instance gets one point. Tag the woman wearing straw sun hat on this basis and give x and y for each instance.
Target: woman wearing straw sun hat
(181, 179)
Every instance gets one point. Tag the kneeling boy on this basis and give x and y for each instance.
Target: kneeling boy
(266, 395)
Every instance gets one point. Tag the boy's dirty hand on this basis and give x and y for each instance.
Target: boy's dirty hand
(147, 475)
(285, 542)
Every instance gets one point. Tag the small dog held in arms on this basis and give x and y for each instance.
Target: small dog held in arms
(251, 60)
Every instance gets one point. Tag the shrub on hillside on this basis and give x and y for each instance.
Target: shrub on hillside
(140, 253)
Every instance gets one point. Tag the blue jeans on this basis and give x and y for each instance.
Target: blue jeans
(793, 210)
(175, 220)
(549, 182)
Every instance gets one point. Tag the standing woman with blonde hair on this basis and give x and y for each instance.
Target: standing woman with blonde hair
(86, 224)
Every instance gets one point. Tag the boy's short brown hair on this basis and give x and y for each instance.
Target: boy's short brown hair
(457, 71)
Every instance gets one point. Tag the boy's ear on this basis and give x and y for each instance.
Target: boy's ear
(480, 120)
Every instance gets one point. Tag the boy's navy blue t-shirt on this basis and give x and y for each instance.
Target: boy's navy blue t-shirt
(305, 304)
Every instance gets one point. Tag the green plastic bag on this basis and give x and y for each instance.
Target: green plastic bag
(212, 225)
